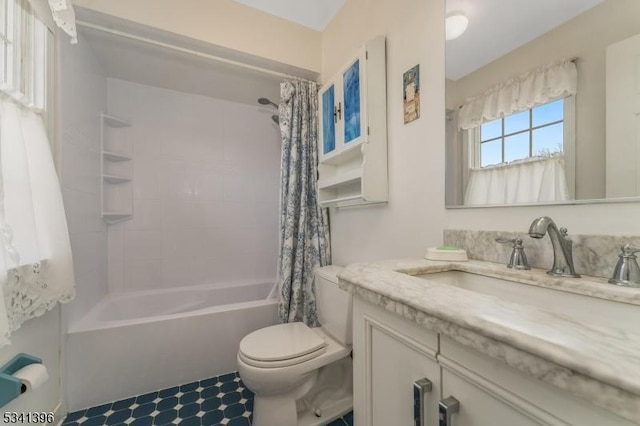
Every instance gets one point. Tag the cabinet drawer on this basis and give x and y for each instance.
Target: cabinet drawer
(537, 400)
(396, 324)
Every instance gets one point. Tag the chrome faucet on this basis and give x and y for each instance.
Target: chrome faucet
(562, 246)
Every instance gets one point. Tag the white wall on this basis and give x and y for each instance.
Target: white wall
(413, 218)
(205, 183)
(83, 93)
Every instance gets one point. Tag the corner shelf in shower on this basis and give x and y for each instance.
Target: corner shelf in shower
(115, 217)
(116, 169)
(114, 156)
(115, 179)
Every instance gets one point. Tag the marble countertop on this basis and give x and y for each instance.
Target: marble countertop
(597, 362)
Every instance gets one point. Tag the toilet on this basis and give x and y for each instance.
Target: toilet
(302, 376)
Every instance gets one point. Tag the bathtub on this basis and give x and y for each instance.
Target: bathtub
(137, 342)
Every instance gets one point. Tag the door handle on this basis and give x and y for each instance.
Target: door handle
(420, 388)
(447, 408)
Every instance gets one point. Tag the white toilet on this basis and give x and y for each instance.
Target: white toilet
(302, 376)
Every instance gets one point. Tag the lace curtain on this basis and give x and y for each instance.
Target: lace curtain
(36, 269)
(547, 83)
(537, 179)
(304, 226)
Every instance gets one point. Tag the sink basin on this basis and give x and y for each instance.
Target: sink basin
(585, 309)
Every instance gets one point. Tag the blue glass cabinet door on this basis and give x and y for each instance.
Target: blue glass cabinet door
(328, 121)
(352, 103)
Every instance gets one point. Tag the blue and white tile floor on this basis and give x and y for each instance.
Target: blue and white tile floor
(222, 400)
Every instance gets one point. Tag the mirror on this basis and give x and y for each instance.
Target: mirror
(596, 135)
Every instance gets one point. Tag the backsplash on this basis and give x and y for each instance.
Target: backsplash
(593, 255)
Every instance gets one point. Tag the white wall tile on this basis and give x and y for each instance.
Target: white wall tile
(206, 177)
(115, 243)
(210, 184)
(142, 275)
(147, 214)
(116, 277)
(142, 245)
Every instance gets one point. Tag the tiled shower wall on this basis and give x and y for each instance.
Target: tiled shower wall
(84, 98)
(205, 190)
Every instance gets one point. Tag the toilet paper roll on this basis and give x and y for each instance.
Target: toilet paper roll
(32, 376)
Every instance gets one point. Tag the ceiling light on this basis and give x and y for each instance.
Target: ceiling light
(456, 24)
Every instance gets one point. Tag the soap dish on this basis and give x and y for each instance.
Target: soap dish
(451, 254)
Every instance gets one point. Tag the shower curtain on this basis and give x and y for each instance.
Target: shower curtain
(304, 226)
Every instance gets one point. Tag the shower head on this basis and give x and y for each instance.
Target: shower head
(265, 101)
(275, 119)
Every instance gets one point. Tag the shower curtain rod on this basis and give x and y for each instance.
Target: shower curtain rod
(189, 51)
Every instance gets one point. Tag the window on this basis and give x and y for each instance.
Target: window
(23, 53)
(535, 132)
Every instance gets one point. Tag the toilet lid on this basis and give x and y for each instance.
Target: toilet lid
(281, 342)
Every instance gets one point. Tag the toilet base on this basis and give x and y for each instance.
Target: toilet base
(324, 397)
(286, 413)
(331, 397)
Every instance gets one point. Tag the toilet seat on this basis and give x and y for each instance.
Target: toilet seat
(281, 345)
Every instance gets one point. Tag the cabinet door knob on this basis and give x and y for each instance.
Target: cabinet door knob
(447, 408)
(420, 388)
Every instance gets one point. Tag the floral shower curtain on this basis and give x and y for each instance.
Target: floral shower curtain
(304, 226)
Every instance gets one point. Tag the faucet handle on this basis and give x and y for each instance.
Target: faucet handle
(628, 250)
(627, 272)
(518, 259)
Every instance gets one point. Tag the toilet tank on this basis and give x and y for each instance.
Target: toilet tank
(333, 304)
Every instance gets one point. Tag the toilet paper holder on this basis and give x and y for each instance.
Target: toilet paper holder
(11, 387)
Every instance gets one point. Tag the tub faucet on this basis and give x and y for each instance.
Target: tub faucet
(562, 246)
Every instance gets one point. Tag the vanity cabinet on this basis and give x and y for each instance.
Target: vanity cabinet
(116, 169)
(353, 131)
(391, 354)
(391, 358)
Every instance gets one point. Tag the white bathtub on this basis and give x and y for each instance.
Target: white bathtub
(139, 342)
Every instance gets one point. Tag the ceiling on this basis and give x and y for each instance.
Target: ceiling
(497, 27)
(315, 14)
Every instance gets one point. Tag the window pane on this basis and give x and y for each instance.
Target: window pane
(516, 122)
(548, 113)
(491, 130)
(491, 153)
(351, 83)
(516, 147)
(328, 122)
(548, 140)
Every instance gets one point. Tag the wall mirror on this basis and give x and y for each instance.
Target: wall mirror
(543, 102)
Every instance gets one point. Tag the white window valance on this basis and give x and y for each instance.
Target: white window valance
(542, 85)
(58, 12)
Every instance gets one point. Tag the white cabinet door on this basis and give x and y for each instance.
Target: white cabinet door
(478, 407)
(343, 108)
(397, 364)
(390, 359)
